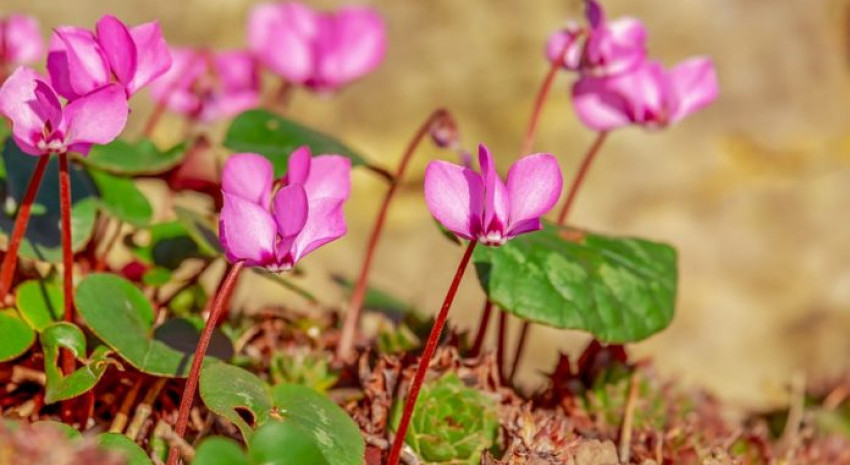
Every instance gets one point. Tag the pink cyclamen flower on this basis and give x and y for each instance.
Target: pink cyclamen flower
(80, 61)
(20, 40)
(40, 124)
(649, 96)
(603, 48)
(275, 231)
(322, 51)
(481, 207)
(208, 86)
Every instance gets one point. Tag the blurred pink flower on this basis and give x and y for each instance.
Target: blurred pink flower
(649, 96)
(306, 213)
(80, 61)
(41, 126)
(604, 48)
(209, 86)
(322, 51)
(482, 207)
(20, 41)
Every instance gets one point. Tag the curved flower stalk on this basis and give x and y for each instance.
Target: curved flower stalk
(81, 61)
(209, 86)
(322, 51)
(273, 230)
(20, 42)
(479, 207)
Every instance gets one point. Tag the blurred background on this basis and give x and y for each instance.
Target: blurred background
(753, 191)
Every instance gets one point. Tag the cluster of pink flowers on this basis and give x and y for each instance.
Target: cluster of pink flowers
(618, 85)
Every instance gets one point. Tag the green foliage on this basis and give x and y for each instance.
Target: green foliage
(275, 138)
(285, 443)
(40, 303)
(202, 230)
(618, 289)
(451, 424)
(132, 453)
(237, 395)
(304, 367)
(164, 245)
(217, 450)
(68, 336)
(16, 334)
(120, 315)
(134, 158)
(120, 197)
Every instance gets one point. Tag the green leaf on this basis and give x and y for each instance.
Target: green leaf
(121, 198)
(120, 315)
(42, 240)
(132, 453)
(69, 336)
(40, 303)
(333, 432)
(202, 230)
(275, 138)
(618, 289)
(157, 276)
(286, 443)
(237, 395)
(16, 334)
(167, 245)
(218, 450)
(134, 158)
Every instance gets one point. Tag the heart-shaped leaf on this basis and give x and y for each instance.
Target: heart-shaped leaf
(132, 453)
(40, 303)
(320, 420)
(618, 289)
(218, 450)
(16, 334)
(119, 314)
(134, 158)
(237, 395)
(120, 197)
(42, 240)
(275, 138)
(60, 387)
(287, 443)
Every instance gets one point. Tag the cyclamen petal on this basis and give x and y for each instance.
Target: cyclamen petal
(290, 209)
(153, 59)
(249, 176)
(598, 106)
(298, 167)
(497, 205)
(455, 196)
(350, 45)
(22, 41)
(325, 223)
(247, 232)
(330, 177)
(96, 118)
(695, 84)
(18, 103)
(87, 67)
(117, 44)
(534, 186)
(566, 40)
(282, 35)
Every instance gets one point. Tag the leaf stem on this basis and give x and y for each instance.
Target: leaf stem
(195, 372)
(355, 305)
(10, 260)
(425, 359)
(482, 329)
(500, 347)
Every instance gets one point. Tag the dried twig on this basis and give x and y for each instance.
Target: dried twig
(628, 419)
(120, 420)
(144, 409)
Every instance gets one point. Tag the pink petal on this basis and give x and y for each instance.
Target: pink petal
(568, 40)
(153, 58)
(22, 40)
(236, 71)
(534, 186)
(247, 231)
(87, 66)
(26, 111)
(118, 47)
(599, 106)
(281, 36)
(249, 176)
(497, 204)
(350, 44)
(174, 88)
(96, 118)
(298, 166)
(289, 210)
(616, 48)
(594, 13)
(695, 83)
(330, 177)
(325, 223)
(455, 197)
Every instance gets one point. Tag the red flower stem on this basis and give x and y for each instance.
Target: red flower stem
(201, 350)
(562, 217)
(482, 329)
(425, 360)
(500, 347)
(68, 362)
(355, 305)
(10, 260)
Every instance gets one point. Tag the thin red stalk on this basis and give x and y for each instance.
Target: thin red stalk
(579, 177)
(562, 217)
(10, 260)
(355, 305)
(68, 363)
(425, 359)
(282, 96)
(201, 350)
(500, 347)
(482, 329)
